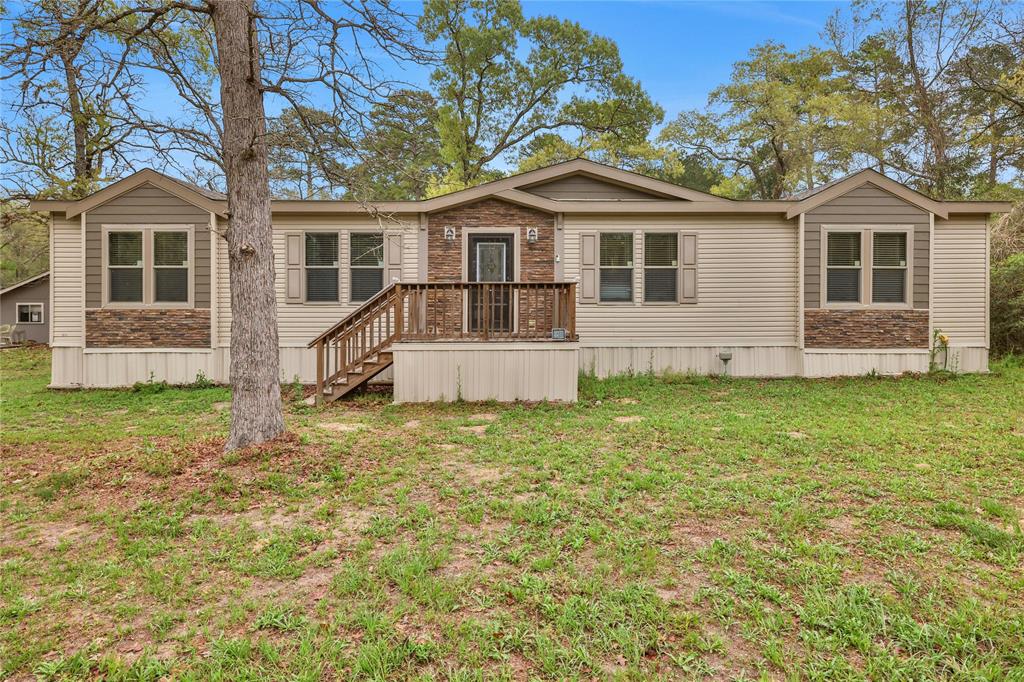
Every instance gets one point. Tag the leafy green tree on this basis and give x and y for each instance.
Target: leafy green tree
(780, 124)
(399, 155)
(504, 79)
(639, 157)
(912, 63)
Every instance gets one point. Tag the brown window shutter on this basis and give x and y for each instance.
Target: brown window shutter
(687, 267)
(588, 267)
(392, 258)
(293, 267)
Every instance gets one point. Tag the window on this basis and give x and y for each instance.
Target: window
(867, 265)
(148, 266)
(322, 267)
(366, 264)
(661, 267)
(30, 313)
(888, 267)
(125, 265)
(170, 266)
(616, 266)
(844, 269)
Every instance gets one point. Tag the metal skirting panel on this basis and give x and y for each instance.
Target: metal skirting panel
(755, 361)
(65, 367)
(432, 372)
(117, 369)
(966, 360)
(843, 363)
(75, 368)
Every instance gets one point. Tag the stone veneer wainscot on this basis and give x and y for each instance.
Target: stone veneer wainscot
(868, 328)
(147, 328)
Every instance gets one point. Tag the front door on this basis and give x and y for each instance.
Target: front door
(491, 259)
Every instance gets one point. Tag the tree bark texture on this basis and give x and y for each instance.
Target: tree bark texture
(256, 414)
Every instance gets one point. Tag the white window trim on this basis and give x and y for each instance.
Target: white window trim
(305, 292)
(866, 268)
(148, 271)
(17, 313)
(635, 272)
(643, 268)
(348, 265)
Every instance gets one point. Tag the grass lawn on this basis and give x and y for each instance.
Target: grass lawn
(680, 527)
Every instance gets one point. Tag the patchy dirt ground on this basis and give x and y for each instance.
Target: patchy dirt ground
(662, 528)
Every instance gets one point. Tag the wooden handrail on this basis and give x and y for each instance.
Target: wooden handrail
(425, 311)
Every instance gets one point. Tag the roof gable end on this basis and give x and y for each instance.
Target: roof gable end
(860, 179)
(187, 193)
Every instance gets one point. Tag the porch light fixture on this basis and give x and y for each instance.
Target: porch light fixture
(449, 233)
(531, 235)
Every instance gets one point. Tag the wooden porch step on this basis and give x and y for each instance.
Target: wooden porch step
(358, 377)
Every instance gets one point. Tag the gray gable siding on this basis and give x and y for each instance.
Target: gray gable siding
(36, 292)
(865, 205)
(152, 206)
(585, 188)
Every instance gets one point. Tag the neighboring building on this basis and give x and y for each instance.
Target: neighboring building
(637, 274)
(27, 304)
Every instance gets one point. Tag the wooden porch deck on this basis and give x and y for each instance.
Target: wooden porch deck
(357, 348)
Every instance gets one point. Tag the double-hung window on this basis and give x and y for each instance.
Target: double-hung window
(366, 264)
(888, 267)
(844, 267)
(616, 266)
(321, 267)
(125, 265)
(148, 266)
(867, 266)
(170, 266)
(661, 267)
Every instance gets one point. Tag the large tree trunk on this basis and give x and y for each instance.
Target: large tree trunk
(256, 397)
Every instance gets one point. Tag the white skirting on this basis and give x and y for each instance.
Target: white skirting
(965, 359)
(503, 371)
(749, 361)
(832, 363)
(119, 367)
(429, 372)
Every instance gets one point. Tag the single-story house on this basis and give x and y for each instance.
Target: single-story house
(24, 308)
(509, 290)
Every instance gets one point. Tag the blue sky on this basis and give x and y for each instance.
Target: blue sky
(681, 51)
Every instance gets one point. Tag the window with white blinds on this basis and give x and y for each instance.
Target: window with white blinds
(366, 264)
(844, 267)
(661, 267)
(170, 267)
(867, 265)
(321, 263)
(125, 267)
(616, 266)
(147, 265)
(888, 267)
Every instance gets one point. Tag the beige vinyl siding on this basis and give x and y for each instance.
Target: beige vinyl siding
(66, 278)
(146, 205)
(746, 283)
(959, 301)
(865, 205)
(300, 323)
(583, 188)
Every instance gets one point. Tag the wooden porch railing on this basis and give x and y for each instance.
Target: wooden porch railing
(440, 311)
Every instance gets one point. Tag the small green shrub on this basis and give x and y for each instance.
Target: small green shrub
(150, 386)
(1007, 305)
